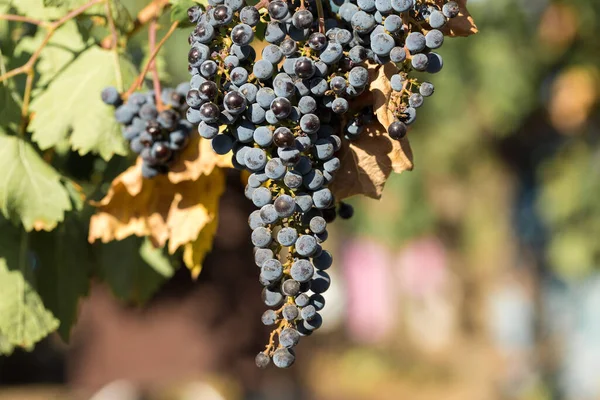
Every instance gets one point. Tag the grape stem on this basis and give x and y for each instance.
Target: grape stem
(147, 14)
(20, 18)
(114, 35)
(152, 65)
(140, 79)
(262, 4)
(321, 15)
(28, 67)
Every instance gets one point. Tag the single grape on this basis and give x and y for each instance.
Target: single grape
(306, 245)
(415, 42)
(320, 282)
(317, 41)
(271, 270)
(269, 318)
(420, 62)
(285, 205)
(222, 144)
(111, 96)
(283, 358)
(239, 76)
(415, 100)
(302, 300)
(382, 44)
(434, 63)
(287, 236)
(398, 54)
(302, 270)
(265, 96)
(322, 198)
(269, 214)
(290, 311)
(426, 89)
(272, 298)
(275, 169)
(250, 15)
(263, 136)
(397, 130)
(261, 236)
(290, 288)
(451, 9)
(402, 5)
(323, 261)
(263, 69)
(272, 53)
(434, 39)
(262, 255)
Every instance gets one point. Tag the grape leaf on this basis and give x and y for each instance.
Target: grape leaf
(30, 190)
(166, 208)
(62, 270)
(195, 252)
(369, 161)
(463, 24)
(23, 318)
(80, 111)
(64, 46)
(5, 347)
(10, 110)
(133, 268)
(35, 9)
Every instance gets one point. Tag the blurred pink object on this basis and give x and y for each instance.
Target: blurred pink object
(371, 301)
(422, 267)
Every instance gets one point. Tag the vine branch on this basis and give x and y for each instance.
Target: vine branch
(140, 79)
(20, 18)
(114, 35)
(152, 64)
(321, 15)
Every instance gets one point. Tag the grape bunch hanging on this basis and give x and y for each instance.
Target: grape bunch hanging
(280, 114)
(157, 130)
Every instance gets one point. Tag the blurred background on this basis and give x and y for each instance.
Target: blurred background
(475, 277)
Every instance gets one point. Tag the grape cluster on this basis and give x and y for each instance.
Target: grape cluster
(403, 32)
(156, 135)
(284, 116)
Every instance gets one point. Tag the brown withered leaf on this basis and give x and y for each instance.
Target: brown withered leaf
(160, 209)
(381, 90)
(367, 163)
(463, 24)
(197, 159)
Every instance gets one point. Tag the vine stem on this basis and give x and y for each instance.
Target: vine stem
(262, 4)
(140, 79)
(321, 15)
(28, 67)
(20, 18)
(152, 65)
(145, 15)
(114, 35)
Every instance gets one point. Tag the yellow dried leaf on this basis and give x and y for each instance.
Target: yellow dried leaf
(463, 24)
(197, 159)
(195, 252)
(160, 209)
(367, 163)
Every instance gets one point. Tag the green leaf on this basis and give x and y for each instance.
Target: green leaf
(72, 104)
(64, 47)
(62, 270)
(6, 348)
(133, 268)
(10, 110)
(30, 190)
(179, 11)
(35, 9)
(23, 318)
(54, 9)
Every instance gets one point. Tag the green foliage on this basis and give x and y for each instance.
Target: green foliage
(133, 268)
(23, 318)
(84, 119)
(30, 191)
